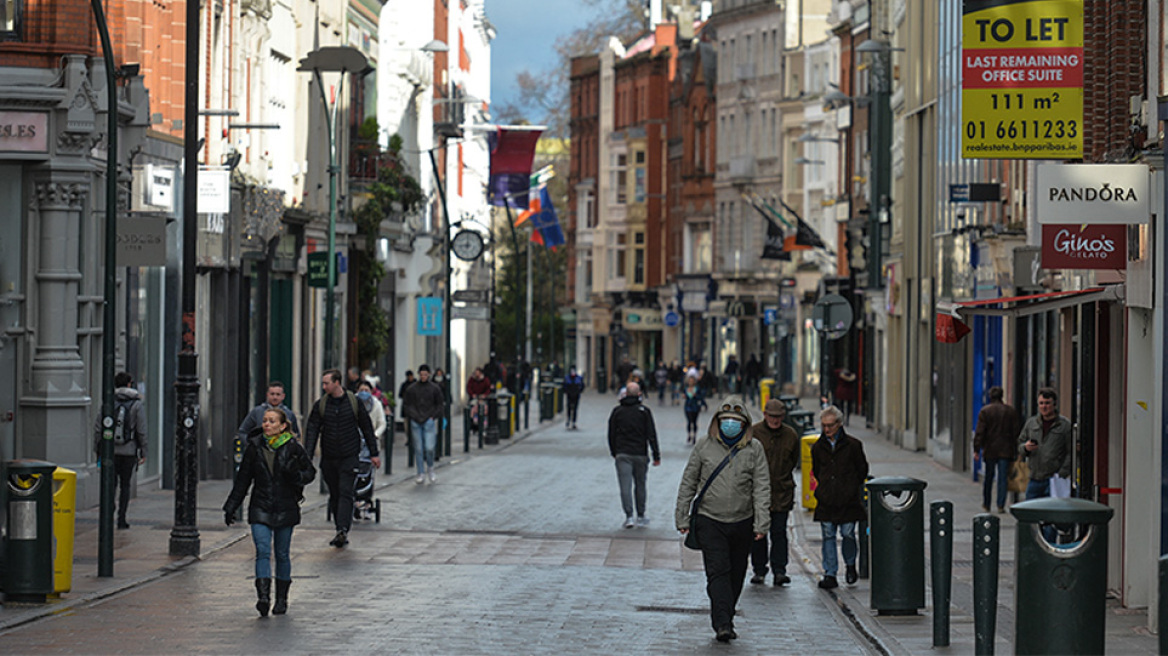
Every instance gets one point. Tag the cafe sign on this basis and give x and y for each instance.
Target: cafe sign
(24, 132)
(1066, 246)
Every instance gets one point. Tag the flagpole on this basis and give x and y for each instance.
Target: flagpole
(518, 323)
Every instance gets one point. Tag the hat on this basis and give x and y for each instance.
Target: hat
(424, 368)
(774, 407)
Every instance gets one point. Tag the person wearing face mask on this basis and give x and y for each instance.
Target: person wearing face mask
(631, 434)
(734, 510)
(374, 408)
(839, 468)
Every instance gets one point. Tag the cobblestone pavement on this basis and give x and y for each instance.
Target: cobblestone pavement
(515, 551)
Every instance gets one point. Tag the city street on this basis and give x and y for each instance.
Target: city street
(517, 550)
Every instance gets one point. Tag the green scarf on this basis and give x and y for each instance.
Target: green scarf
(277, 441)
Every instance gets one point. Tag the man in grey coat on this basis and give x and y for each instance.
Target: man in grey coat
(1045, 443)
(129, 439)
(273, 399)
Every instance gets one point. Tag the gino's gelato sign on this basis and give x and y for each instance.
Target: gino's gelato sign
(1093, 193)
(1084, 246)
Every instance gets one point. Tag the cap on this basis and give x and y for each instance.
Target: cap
(774, 407)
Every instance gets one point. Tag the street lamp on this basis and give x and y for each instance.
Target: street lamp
(880, 147)
(332, 59)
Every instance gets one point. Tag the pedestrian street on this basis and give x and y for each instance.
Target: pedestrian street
(517, 551)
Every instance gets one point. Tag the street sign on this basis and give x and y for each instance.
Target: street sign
(672, 318)
(769, 316)
(471, 312)
(471, 295)
(975, 192)
(832, 316)
(318, 269)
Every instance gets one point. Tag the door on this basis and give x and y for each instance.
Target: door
(11, 305)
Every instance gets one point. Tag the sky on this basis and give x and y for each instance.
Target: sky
(527, 31)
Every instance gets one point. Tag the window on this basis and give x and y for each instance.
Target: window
(617, 242)
(589, 201)
(10, 15)
(638, 258)
(639, 176)
(620, 178)
(700, 249)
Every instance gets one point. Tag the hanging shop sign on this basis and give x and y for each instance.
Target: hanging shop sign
(141, 241)
(1084, 246)
(641, 319)
(1022, 79)
(1093, 193)
(429, 316)
(24, 132)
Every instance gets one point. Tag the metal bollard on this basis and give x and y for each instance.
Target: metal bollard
(409, 444)
(941, 559)
(238, 458)
(1163, 612)
(986, 554)
(526, 410)
(387, 447)
(466, 429)
(862, 533)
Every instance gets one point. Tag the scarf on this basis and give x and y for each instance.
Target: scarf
(277, 441)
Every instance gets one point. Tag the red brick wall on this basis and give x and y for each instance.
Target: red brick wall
(1114, 70)
(52, 28)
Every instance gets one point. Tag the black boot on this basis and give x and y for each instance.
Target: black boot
(281, 606)
(263, 596)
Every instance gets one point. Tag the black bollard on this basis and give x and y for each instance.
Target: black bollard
(409, 444)
(986, 552)
(1163, 604)
(466, 429)
(941, 559)
(862, 535)
(387, 447)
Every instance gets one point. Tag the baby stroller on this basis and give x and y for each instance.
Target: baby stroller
(364, 505)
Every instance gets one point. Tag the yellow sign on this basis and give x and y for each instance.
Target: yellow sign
(1022, 79)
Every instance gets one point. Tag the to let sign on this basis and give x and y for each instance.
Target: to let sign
(1084, 246)
(1022, 79)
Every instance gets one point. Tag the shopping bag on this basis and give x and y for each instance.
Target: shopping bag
(1019, 476)
(1060, 488)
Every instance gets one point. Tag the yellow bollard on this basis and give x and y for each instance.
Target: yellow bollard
(64, 506)
(809, 483)
(764, 391)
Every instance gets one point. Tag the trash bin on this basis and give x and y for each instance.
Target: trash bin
(601, 380)
(503, 413)
(764, 390)
(1061, 588)
(547, 402)
(28, 549)
(803, 421)
(896, 521)
(789, 400)
(64, 523)
(808, 483)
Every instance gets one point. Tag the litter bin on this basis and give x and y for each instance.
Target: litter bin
(896, 519)
(64, 522)
(764, 390)
(803, 421)
(1061, 588)
(503, 413)
(28, 549)
(547, 402)
(808, 483)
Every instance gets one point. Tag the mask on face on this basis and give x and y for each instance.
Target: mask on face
(438, 379)
(364, 395)
(731, 427)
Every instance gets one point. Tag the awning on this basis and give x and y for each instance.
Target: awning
(1021, 306)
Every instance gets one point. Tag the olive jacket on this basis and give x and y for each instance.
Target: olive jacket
(782, 451)
(1053, 455)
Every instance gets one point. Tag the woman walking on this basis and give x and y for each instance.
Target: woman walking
(276, 468)
(695, 402)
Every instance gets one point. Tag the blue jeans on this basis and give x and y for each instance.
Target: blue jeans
(999, 467)
(262, 535)
(425, 438)
(847, 531)
(629, 470)
(1038, 490)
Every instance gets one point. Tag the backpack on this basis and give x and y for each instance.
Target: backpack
(122, 409)
(323, 403)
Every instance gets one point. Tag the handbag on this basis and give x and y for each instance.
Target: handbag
(1019, 476)
(691, 538)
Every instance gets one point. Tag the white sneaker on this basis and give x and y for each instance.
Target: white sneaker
(629, 523)
(419, 479)
(642, 521)
(433, 478)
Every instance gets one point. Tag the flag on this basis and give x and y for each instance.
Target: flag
(950, 329)
(805, 236)
(532, 210)
(512, 151)
(546, 223)
(772, 249)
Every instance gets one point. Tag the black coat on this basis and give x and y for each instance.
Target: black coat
(276, 492)
(839, 476)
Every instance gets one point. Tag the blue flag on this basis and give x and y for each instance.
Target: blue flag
(546, 223)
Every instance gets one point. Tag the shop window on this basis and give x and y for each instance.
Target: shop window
(10, 17)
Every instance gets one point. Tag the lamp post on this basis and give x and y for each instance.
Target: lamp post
(880, 147)
(332, 59)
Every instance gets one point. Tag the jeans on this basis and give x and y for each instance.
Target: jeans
(999, 468)
(340, 475)
(847, 531)
(725, 550)
(691, 421)
(425, 438)
(263, 535)
(1037, 490)
(629, 470)
(778, 548)
(573, 407)
(124, 471)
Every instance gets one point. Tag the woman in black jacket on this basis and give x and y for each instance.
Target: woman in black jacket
(276, 468)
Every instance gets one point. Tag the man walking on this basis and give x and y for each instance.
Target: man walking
(340, 422)
(129, 439)
(424, 405)
(573, 388)
(274, 398)
(840, 468)
(631, 434)
(781, 445)
(1045, 443)
(995, 435)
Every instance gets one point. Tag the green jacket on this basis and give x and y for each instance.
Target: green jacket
(1053, 455)
(782, 451)
(741, 490)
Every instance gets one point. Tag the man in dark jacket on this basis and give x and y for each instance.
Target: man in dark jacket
(573, 388)
(424, 405)
(1045, 442)
(631, 433)
(995, 435)
(340, 422)
(839, 469)
(129, 437)
(781, 445)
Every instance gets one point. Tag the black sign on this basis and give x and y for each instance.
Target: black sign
(471, 295)
(975, 192)
(318, 269)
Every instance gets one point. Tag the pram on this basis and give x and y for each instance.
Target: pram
(364, 505)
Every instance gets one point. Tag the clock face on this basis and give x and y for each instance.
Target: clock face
(467, 245)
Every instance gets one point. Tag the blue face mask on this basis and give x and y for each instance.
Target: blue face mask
(730, 427)
(364, 395)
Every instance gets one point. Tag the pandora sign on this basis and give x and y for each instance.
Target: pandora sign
(1084, 246)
